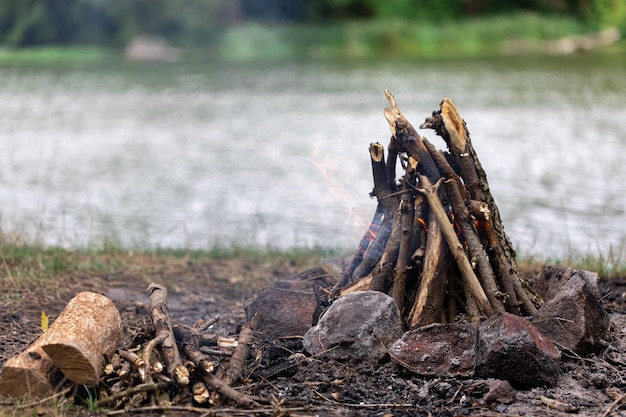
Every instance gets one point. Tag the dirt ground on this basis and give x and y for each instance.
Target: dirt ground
(302, 386)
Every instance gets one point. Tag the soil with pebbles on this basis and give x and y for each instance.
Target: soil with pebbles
(297, 384)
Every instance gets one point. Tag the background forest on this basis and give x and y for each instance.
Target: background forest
(202, 23)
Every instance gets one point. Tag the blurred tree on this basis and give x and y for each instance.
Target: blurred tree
(199, 22)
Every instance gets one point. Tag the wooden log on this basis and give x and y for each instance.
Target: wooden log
(448, 124)
(405, 220)
(463, 220)
(238, 360)
(430, 296)
(31, 374)
(375, 238)
(384, 193)
(74, 346)
(456, 249)
(384, 270)
(165, 334)
(409, 140)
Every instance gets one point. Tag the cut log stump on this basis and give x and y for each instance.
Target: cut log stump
(74, 346)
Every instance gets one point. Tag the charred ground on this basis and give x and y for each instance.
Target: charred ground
(279, 370)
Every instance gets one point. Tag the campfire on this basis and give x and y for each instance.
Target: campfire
(435, 251)
(436, 243)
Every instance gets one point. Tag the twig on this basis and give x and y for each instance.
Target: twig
(203, 411)
(238, 360)
(227, 391)
(558, 405)
(614, 404)
(131, 391)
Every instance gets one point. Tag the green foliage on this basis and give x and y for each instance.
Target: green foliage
(607, 13)
(396, 37)
(107, 22)
(202, 22)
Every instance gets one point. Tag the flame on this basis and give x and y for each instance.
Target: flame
(328, 167)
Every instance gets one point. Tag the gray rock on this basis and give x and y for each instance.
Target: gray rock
(437, 350)
(553, 278)
(290, 307)
(574, 318)
(356, 327)
(510, 347)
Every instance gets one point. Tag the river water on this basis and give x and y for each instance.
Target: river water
(276, 154)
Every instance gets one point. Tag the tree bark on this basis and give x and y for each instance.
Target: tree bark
(456, 249)
(431, 291)
(165, 334)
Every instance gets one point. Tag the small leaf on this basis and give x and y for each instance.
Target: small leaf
(44, 321)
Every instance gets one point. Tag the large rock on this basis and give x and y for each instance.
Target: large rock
(437, 350)
(510, 347)
(357, 327)
(553, 278)
(290, 307)
(573, 317)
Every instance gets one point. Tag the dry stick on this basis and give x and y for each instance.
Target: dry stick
(462, 218)
(163, 327)
(131, 391)
(456, 249)
(134, 359)
(448, 124)
(238, 360)
(183, 333)
(420, 220)
(227, 391)
(431, 290)
(406, 237)
(409, 140)
(384, 270)
(392, 159)
(367, 239)
(387, 205)
(200, 360)
(381, 182)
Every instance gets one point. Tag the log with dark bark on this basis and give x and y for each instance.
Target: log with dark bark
(448, 124)
(164, 334)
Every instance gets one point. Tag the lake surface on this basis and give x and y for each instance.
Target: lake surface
(202, 155)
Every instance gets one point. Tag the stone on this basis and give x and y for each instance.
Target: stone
(150, 48)
(357, 327)
(500, 392)
(573, 318)
(510, 347)
(445, 350)
(553, 278)
(289, 307)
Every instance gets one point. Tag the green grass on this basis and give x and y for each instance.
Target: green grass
(53, 54)
(373, 39)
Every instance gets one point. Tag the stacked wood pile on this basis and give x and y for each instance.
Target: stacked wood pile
(436, 242)
(164, 364)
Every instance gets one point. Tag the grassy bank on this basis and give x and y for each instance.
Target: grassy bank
(32, 264)
(53, 54)
(377, 39)
(486, 36)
